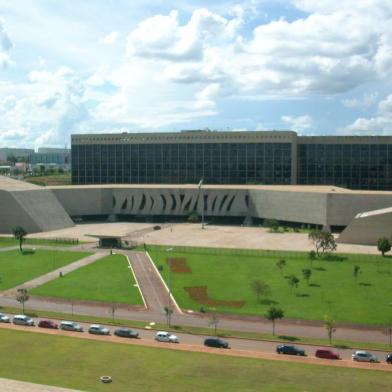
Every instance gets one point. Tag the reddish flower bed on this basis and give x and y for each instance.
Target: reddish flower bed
(200, 295)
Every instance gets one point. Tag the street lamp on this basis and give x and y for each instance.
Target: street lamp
(202, 204)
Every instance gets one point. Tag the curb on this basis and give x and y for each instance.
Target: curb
(137, 282)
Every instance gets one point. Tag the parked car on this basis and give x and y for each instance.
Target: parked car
(327, 354)
(48, 324)
(163, 336)
(4, 318)
(21, 319)
(71, 326)
(97, 329)
(216, 342)
(364, 356)
(290, 350)
(126, 333)
(389, 358)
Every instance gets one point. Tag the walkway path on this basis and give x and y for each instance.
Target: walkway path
(154, 290)
(55, 274)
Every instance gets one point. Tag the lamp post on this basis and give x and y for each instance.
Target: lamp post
(202, 202)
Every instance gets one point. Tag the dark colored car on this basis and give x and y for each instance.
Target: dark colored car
(126, 333)
(47, 324)
(327, 354)
(290, 350)
(215, 342)
(389, 358)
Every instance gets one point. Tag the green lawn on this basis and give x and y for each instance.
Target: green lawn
(108, 279)
(332, 291)
(17, 268)
(78, 364)
(10, 241)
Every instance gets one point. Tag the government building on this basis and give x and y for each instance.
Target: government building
(246, 158)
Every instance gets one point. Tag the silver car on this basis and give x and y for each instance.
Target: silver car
(4, 318)
(71, 326)
(97, 329)
(364, 356)
(21, 319)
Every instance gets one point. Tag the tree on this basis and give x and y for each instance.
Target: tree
(112, 310)
(323, 241)
(307, 273)
(273, 224)
(19, 233)
(383, 245)
(193, 217)
(312, 256)
(260, 288)
(213, 320)
(356, 271)
(274, 314)
(293, 282)
(281, 264)
(330, 325)
(168, 312)
(22, 297)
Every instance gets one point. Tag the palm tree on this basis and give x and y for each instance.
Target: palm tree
(19, 233)
(274, 314)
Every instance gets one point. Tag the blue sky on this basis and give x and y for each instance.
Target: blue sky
(317, 67)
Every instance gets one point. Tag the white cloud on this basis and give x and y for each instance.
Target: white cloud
(45, 110)
(111, 38)
(381, 123)
(299, 123)
(366, 101)
(162, 36)
(5, 46)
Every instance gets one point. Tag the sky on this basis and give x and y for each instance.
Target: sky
(106, 66)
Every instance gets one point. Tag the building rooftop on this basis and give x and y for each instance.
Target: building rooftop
(280, 188)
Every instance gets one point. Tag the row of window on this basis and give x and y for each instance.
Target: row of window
(349, 165)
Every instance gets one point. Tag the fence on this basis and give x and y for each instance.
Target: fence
(43, 241)
(278, 254)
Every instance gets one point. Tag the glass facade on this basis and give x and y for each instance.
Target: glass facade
(182, 163)
(354, 166)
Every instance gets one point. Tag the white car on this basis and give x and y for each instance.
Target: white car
(364, 356)
(4, 318)
(162, 336)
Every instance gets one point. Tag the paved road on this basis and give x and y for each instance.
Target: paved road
(242, 347)
(66, 269)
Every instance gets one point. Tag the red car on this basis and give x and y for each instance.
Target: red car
(47, 324)
(326, 354)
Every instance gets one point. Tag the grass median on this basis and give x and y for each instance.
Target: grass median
(17, 267)
(108, 280)
(77, 363)
(224, 282)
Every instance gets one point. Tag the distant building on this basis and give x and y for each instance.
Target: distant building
(6, 152)
(51, 157)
